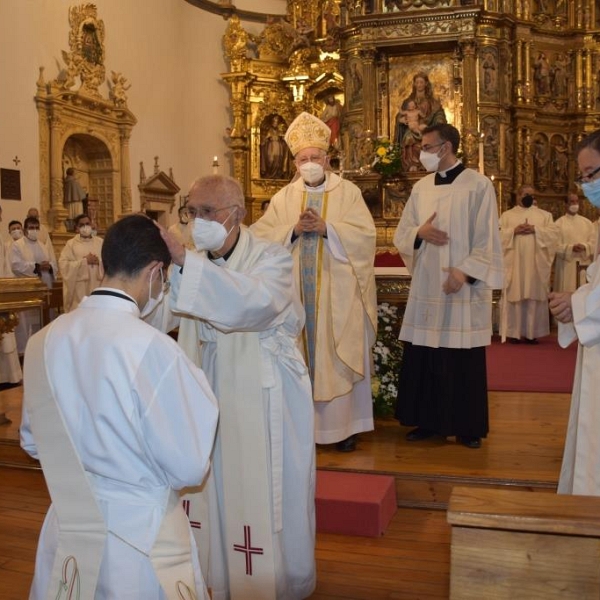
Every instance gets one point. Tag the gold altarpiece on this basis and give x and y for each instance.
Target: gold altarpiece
(518, 78)
(81, 129)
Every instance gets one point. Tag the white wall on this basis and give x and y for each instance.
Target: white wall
(170, 52)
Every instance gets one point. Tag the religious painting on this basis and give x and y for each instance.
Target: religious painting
(355, 84)
(274, 152)
(488, 73)
(420, 95)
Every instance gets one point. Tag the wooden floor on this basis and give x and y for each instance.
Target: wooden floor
(411, 561)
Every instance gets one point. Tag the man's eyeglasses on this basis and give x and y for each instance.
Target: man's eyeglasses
(206, 212)
(587, 178)
(429, 147)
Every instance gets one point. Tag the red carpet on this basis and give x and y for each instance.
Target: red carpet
(545, 367)
(354, 503)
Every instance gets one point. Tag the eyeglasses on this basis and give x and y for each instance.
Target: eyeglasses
(429, 147)
(314, 159)
(587, 178)
(206, 212)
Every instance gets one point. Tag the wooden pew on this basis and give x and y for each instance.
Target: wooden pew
(523, 545)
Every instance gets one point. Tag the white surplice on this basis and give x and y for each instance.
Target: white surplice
(466, 211)
(346, 306)
(246, 316)
(574, 229)
(79, 278)
(580, 472)
(527, 268)
(10, 368)
(142, 419)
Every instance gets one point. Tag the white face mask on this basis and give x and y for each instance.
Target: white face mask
(429, 160)
(33, 234)
(153, 302)
(16, 234)
(573, 208)
(85, 231)
(312, 173)
(209, 235)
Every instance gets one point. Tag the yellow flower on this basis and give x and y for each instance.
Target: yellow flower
(381, 151)
(386, 161)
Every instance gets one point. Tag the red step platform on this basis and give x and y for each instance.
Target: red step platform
(354, 503)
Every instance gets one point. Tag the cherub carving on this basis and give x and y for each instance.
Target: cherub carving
(117, 89)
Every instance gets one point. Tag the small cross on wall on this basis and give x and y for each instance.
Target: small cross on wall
(16, 160)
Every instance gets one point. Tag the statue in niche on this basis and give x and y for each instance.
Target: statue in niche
(332, 117)
(91, 48)
(74, 195)
(559, 74)
(541, 76)
(541, 159)
(430, 113)
(561, 161)
(274, 153)
(489, 66)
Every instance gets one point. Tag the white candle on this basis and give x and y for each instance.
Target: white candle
(481, 166)
(215, 165)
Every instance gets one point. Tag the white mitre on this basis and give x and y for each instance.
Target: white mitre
(307, 131)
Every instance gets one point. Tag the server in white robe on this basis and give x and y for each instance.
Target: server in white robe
(30, 257)
(578, 314)
(577, 244)
(10, 368)
(324, 222)
(448, 238)
(141, 419)
(80, 264)
(529, 241)
(242, 323)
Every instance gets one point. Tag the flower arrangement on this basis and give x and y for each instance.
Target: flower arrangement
(387, 160)
(387, 356)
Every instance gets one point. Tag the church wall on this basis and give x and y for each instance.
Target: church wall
(170, 52)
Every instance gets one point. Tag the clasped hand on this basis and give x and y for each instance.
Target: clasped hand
(524, 229)
(310, 221)
(560, 306)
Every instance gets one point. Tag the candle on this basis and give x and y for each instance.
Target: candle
(481, 166)
(215, 165)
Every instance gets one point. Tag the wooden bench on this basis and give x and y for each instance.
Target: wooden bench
(523, 545)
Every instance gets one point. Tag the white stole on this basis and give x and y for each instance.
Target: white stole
(82, 530)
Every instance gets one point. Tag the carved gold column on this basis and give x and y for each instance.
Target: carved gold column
(126, 203)
(44, 145)
(527, 73)
(367, 55)
(589, 95)
(519, 89)
(471, 126)
(239, 83)
(58, 213)
(579, 78)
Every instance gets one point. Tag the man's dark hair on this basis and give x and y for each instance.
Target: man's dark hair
(591, 141)
(132, 243)
(31, 221)
(78, 218)
(15, 223)
(447, 133)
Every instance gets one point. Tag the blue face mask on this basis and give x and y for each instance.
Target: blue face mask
(591, 190)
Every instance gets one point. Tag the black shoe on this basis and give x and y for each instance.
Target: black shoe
(469, 441)
(531, 341)
(514, 341)
(418, 434)
(347, 445)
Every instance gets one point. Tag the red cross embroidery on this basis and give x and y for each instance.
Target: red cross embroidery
(247, 549)
(194, 524)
